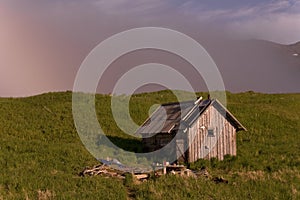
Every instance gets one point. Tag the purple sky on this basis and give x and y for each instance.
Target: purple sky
(42, 43)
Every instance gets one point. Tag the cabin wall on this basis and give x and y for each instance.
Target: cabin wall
(175, 150)
(202, 146)
(157, 141)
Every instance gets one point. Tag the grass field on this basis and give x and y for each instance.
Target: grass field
(41, 153)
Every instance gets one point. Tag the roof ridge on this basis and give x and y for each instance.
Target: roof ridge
(177, 102)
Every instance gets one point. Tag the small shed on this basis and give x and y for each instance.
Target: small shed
(206, 128)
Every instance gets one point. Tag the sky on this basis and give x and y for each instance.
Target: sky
(43, 42)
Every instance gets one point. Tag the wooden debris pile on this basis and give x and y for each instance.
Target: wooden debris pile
(101, 170)
(108, 171)
(203, 173)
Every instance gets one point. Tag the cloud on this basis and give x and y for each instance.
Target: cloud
(283, 28)
(278, 21)
(129, 7)
(238, 13)
(42, 43)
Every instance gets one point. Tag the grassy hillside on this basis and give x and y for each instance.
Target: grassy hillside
(41, 153)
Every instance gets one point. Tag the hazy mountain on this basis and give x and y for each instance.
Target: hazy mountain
(258, 65)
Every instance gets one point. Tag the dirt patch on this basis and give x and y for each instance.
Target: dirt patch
(252, 175)
(45, 194)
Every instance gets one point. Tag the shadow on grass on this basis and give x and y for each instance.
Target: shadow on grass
(127, 144)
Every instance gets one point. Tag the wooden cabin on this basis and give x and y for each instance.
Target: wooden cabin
(201, 129)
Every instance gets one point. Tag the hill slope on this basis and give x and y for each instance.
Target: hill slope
(41, 153)
(258, 65)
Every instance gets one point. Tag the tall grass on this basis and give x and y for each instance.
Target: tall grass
(41, 153)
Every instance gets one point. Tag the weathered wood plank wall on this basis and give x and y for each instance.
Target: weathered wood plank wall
(223, 143)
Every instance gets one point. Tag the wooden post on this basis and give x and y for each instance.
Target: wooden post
(164, 168)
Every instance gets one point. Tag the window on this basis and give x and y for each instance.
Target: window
(211, 132)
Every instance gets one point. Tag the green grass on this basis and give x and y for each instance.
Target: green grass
(41, 153)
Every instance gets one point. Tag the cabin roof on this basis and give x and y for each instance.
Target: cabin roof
(179, 115)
